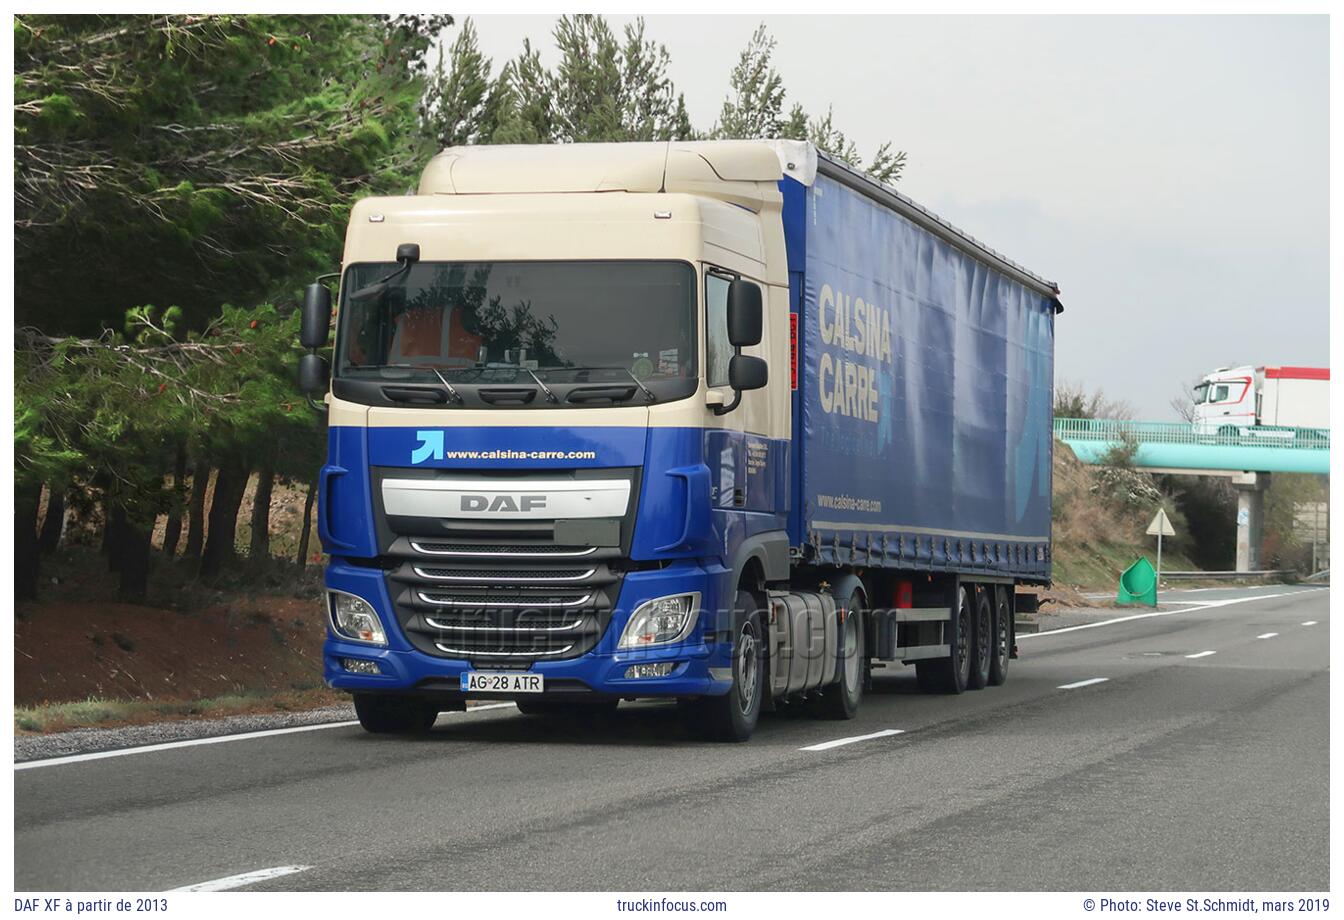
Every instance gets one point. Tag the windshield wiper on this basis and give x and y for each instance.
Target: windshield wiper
(648, 394)
(550, 394)
(370, 291)
(452, 393)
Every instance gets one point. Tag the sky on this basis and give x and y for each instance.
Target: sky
(1170, 173)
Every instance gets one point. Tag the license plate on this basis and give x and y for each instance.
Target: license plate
(502, 682)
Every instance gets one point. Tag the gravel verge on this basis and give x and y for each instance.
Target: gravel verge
(90, 740)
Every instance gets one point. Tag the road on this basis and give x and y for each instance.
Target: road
(1175, 772)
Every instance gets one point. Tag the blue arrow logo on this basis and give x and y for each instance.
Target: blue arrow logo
(431, 446)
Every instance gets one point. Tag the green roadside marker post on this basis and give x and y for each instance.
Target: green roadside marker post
(1160, 527)
(1138, 585)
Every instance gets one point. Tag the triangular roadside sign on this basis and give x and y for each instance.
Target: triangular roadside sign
(1161, 524)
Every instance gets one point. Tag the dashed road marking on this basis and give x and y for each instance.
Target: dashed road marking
(1267, 636)
(1309, 623)
(1201, 654)
(1083, 683)
(827, 745)
(239, 881)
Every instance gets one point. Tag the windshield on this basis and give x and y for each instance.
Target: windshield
(626, 325)
(1201, 393)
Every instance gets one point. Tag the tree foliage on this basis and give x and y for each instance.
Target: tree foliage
(606, 87)
(189, 160)
(754, 107)
(193, 171)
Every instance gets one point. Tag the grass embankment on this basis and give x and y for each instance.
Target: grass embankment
(82, 662)
(1100, 515)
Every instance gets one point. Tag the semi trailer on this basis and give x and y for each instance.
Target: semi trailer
(728, 423)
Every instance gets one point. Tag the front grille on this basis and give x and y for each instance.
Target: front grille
(499, 550)
(503, 603)
(504, 576)
(512, 600)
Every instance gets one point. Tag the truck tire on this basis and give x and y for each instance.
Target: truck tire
(841, 699)
(951, 674)
(1003, 639)
(733, 716)
(982, 640)
(394, 715)
(566, 708)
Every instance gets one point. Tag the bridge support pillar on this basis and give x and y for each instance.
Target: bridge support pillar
(1250, 518)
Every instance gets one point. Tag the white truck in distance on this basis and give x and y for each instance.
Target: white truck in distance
(1249, 400)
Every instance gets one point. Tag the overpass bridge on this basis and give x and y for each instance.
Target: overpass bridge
(1247, 457)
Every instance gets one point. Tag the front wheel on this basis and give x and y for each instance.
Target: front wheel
(733, 716)
(394, 715)
(841, 699)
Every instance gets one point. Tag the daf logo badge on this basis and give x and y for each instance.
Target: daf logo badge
(503, 503)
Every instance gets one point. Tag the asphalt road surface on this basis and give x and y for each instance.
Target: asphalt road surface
(1182, 751)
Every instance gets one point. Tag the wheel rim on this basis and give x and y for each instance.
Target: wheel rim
(851, 652)
(747, 666)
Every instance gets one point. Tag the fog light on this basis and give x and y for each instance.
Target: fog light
(660, 669)
(354, 618)
(360, 666)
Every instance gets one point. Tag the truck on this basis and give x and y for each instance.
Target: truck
(727, 423)
(1263, 401)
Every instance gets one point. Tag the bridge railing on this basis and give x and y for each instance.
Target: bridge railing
(1107, 429)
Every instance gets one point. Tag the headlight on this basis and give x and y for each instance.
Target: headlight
(354, 618)
(661, 621)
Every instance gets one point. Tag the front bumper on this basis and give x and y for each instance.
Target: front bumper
(702, 662)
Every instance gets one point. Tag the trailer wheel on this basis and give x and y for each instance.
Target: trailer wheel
(394, 715)
(1003, 639)
(841, 699)
(733, 716)
(982, 640)
(951, 674)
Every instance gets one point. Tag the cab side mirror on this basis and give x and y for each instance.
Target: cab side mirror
(746, 372)
(315, 322)
(745, 321)
(314, 375)
(744, 314)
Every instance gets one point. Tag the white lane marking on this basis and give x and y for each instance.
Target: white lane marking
(1204, 605)
(1309, 623)
(1267, 636)
(1201, 654)
(827, 745)
(217, 739)
(1083, 683)
(238, 881)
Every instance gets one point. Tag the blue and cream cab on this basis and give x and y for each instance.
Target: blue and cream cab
(559, 408)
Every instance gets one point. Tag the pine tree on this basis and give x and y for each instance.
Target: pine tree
(755, 104)
(461, 101)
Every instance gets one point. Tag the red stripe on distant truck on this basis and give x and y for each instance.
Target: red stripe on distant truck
(1299, 373)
